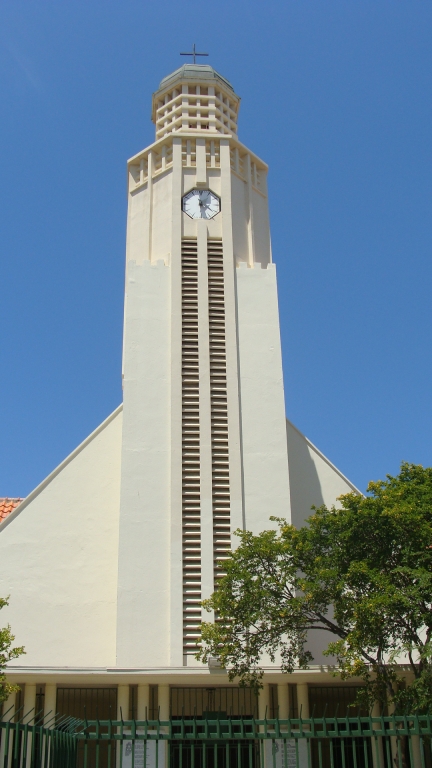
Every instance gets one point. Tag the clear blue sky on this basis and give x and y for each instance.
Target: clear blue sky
(336, 97)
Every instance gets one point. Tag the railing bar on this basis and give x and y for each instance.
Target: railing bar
(309, 749)
(46, 747)
(410, 750)
(388, 752)
(422, 755)
(7, 739)
(366, 751)
(16, 742)
(354, 751)
(399, 750)
(24, 746)
(342, 743)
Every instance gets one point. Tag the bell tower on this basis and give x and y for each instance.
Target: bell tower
(204, 447)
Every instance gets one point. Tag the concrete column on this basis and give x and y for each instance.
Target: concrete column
(303, 700)
(29, 701)
(50, 705)
(376, 743)
(164, 701)
(303, 708)
(28, 713)
(416, 751)
(283, 701)
(393, 741)
(264, 702)
(123, 702)
(143, 702)
(10, 702)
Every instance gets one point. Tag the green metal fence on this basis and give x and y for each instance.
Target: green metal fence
(29, 741)
(217, 741)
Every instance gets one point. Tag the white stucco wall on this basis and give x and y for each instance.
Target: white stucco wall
(144, 542)
(58, 558)
(137, 229)
(162, 203)
(314, 480)
(264, 444)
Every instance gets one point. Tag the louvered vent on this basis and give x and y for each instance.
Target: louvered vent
(191, 527)
(219, 408)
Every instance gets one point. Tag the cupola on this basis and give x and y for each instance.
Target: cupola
(195, 99)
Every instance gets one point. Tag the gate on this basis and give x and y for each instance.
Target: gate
(216, 741)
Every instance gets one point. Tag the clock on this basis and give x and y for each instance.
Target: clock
(201, 204)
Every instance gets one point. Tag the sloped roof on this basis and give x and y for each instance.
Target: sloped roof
(7, 506)
(192, 72)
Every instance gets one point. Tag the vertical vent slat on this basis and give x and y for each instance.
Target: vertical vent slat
(191, 503)
(219, 408)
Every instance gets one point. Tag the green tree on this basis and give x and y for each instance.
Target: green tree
(362, 574)
(7, 653)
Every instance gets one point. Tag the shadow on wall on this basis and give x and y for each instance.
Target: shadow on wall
(305, 484)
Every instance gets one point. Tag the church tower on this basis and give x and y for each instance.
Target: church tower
(204, 433)
(107, 561)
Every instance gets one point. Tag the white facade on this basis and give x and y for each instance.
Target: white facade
(107, 561)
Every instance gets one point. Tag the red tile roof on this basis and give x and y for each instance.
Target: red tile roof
(7, 506)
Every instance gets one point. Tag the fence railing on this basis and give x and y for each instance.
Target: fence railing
(28, 740)
(218, 742)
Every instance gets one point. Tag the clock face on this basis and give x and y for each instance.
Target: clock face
(201, 204)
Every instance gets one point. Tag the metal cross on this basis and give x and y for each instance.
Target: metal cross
(194, 54)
